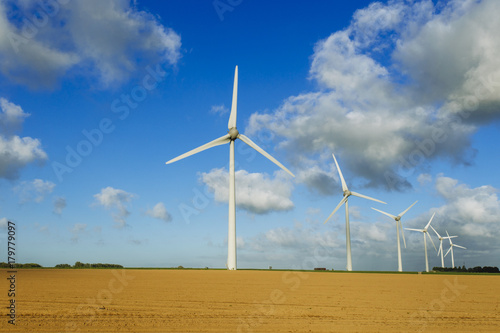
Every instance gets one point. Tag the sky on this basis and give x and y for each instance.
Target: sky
(96, 96)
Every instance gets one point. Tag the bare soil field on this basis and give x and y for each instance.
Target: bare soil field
(134, 300)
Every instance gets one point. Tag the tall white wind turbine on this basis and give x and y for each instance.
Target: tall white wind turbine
(346, 195)
(441, 244)
(230, 137)
(398, 226)
(424, 231)
(451, 249)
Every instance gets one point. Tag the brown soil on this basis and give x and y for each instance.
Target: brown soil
(104, 300)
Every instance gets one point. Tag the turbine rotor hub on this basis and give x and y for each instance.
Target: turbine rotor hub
(233, 133)
(347, 193)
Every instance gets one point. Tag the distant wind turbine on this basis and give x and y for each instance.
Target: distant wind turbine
(424, 231)
(346, 195)
(230, 137)
(441, 244)
(398, 226)
(451, 249)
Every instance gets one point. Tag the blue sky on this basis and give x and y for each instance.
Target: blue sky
(96, 96)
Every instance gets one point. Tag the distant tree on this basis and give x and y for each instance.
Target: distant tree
(30, 265)
(62, 266)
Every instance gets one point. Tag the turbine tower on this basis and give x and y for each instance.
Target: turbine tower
(346, 195)
(230, 137)
(451, 249)
(441, 244)
(398, 226)
(424, 231)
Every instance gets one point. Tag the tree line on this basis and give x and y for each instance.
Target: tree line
(87, 265)
(76, 265)
(477, 269)
(27, 265)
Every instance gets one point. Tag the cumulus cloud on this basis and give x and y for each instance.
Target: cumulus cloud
(35, 190)
(112, 198)
(295, 243)
(424, 178)
(12, 116)
(404, 83)
(3, 223)
(159, 212)
(16, 152)
(471, 211)
(256, 193)
(321, 181)
(305, 246)
(54, 39)
(59, 205)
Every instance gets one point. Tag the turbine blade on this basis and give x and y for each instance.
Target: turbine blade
(428, 224)
(252, 144)
(344, 199)
(344, 186)
(366, 197)
(421, 230)
(459, 246)
(217, 142)
(448, 251)
(436, 232)
(440, 248)
(390, 215)
(407, 209)
(431, 241)
(232, 117)
(449, 237)
(402, 232)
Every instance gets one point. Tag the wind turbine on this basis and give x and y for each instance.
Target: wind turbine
(451, 249)
(346, 195)
(441, 244)
(398, 225)
(230, 137)
(424, 231)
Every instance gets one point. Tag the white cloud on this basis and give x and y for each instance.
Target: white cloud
(112, 198)
(424, 178)
(474, 211)
(471, 213)
(35, 190)
(297, 246)
(107, 40)
(316, 178)
(12, 116)
(59, 205)
(255, 192)
(16, 152)
(159, 212)
(3, 223)
(219, 109)
(404, 84)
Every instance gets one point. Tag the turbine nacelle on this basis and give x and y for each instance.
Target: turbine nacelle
(347, 193)
(233, 134)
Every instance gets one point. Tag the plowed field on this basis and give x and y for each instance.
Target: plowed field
(104, 300)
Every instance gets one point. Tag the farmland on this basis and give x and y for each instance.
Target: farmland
(154, 300)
